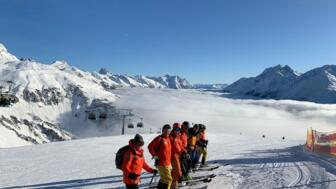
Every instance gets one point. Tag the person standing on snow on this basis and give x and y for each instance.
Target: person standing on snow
(160, 149)
(134, 162)
(177, 149)
(185, 157)
(192, 141)
(202, 144)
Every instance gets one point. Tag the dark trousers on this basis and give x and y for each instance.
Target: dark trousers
(132, 186)
(185, 164)
(195, 158)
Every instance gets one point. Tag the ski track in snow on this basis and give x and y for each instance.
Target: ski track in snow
(299, 170)
(253, 163)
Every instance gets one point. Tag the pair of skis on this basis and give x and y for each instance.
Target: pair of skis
(197, 180)
(206, 168)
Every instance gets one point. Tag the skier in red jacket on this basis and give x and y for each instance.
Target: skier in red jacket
(185, 156)
(134, 162)
(160, 149)
(177, 149)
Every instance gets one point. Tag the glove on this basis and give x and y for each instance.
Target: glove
(133, 176)
(155, 171)
(187, 156)
(157, 160)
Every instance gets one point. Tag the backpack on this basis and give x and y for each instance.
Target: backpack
(119, 159)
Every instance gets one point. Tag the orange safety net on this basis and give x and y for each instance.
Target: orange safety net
(321, 142)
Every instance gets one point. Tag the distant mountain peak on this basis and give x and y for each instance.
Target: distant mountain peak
(285, 71)
(5, 56)
(103, 71)
(2, 48)
(328, 67)
(61, 64)
(281, 82)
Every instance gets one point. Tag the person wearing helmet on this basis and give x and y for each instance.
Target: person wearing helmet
(185, 157)
(177, 149)
(202, 144)
(134, 162)
(184, 134)
(192, 141)
(160, 149)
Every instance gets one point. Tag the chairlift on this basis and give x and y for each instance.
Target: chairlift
(103, 116)
(140, 124)
(130, 124)
(92, 116)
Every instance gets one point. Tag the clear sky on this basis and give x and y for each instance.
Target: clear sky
(206, 41)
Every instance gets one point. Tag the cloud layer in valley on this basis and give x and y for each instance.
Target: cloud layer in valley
(274, 118)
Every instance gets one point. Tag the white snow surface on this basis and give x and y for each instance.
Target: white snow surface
(89, 163)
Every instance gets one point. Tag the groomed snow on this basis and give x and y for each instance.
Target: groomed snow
(89, 163)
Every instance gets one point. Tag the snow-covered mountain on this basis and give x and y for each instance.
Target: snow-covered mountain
(268, 84)
(317, 85)
(115, 80)
(52, 99)
(58, 101)
(281, 82)
(210, 86)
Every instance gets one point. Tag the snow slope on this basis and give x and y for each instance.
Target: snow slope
(89, 163)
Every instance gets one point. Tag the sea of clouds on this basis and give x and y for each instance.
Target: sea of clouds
(273, 118)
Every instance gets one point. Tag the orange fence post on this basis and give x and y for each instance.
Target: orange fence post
(310, 139)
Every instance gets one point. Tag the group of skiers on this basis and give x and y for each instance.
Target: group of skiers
(176, 152)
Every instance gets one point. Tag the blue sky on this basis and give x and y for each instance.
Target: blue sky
(206, 41)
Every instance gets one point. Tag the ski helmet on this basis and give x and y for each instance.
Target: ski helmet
(167, 126)
(138, 139)
(176, 126)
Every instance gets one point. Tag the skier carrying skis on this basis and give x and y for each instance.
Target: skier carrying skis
(185, 157)
(134, 162)
(177, 149)
(202, 145)
(160, 149)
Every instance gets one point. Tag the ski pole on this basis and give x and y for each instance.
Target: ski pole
(150, 183)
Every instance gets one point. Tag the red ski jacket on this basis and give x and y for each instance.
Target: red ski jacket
(134, 163)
